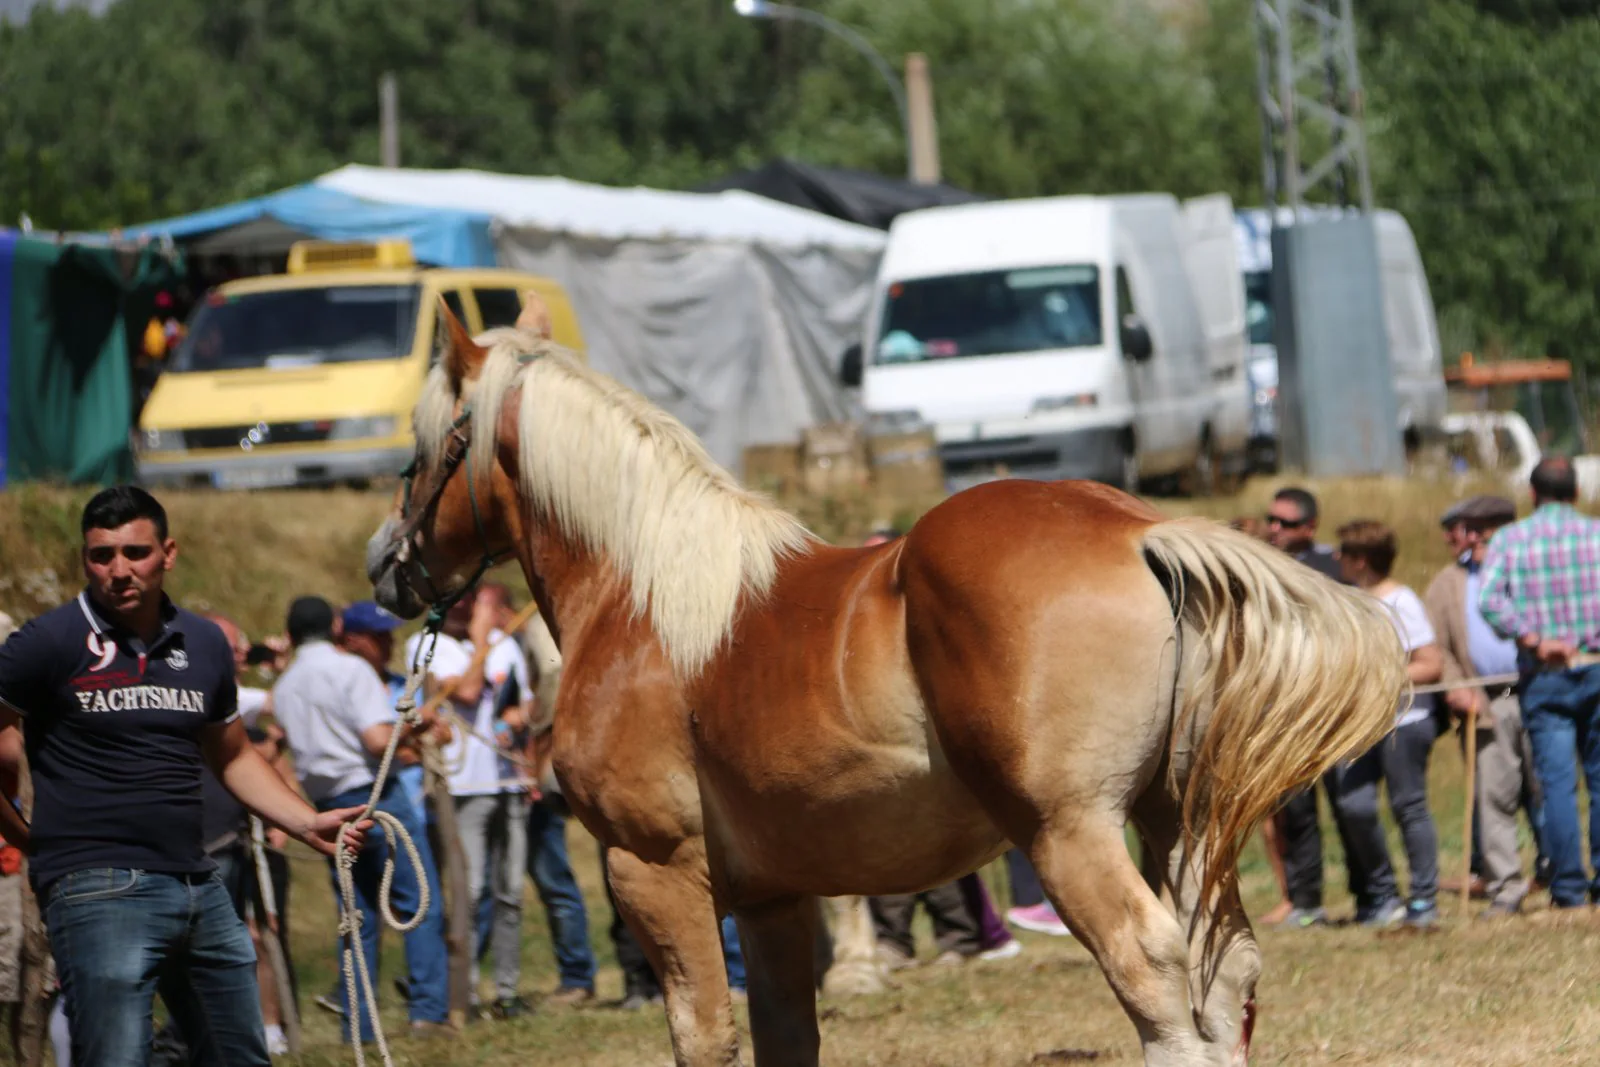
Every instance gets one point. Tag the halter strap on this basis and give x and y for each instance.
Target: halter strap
(457, 450)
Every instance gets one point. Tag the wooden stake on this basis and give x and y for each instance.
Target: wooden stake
(1466, 831)
(459, 911)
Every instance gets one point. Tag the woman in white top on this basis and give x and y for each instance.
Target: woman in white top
(1366, 557)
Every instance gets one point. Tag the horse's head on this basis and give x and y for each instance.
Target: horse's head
(449, 521)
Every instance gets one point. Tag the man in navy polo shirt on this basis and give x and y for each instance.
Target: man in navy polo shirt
(121, 695)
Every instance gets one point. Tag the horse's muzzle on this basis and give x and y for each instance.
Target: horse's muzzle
(1241, 1055)
(389, 587)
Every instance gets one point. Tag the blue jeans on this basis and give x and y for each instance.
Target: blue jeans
(1561, 712)
(413, 780)
(552, 876)
(426, 958)
(732, 954)
(119, 936)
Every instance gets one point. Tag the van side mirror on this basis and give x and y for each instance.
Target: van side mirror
(850, 365)
(1135, 338)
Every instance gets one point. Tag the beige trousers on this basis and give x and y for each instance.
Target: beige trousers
(1504, 766)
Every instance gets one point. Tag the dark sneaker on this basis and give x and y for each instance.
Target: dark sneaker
(509, 1008)
(570, 996)
(639, 1001)
(1384, 916)
(403, 987)
(422, 1028)
(1305, 918)
(1422, 915)
(1501, 909)
(332, 1003)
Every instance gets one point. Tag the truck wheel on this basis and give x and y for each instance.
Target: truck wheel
(1204, 475)
(1128, 478)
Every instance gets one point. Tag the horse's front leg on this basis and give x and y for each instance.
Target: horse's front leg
(779, 940)
(670, 910)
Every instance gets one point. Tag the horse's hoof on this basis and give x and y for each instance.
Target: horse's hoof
(859, 980)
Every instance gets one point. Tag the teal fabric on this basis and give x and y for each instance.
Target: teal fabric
(70, 404)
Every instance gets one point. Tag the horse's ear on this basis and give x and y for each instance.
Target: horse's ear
(535, 317)
(463, 357)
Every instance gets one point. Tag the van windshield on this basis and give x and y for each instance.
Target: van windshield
(991, 313)
(1258, 306)
(300, 327)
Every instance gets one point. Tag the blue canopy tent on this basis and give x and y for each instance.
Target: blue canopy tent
(268, 224)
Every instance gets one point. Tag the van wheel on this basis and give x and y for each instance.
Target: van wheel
(1128, 479)
(1204, 475)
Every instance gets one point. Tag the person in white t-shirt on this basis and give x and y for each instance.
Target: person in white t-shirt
(1366, 558)
(339, 721)
(491, 804)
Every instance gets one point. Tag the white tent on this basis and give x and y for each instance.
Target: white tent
(728, 309)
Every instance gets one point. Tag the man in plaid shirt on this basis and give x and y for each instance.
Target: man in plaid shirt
(1541, 589)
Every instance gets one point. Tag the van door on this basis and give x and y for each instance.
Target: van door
(1413, 332)
(1211, 257)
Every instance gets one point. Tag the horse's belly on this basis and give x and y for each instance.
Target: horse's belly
(840, 816)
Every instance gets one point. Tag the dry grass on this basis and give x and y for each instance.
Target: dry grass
(1512, 993)
(1515, 992)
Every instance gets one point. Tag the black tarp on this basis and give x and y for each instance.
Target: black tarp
(852, 195)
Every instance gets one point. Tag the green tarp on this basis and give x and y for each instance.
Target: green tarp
(64, 356)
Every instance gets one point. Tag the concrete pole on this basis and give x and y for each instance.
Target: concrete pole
(389, 120)
(922, 129)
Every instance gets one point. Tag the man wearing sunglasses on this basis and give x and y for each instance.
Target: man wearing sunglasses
(1292, 527)
(122, 695)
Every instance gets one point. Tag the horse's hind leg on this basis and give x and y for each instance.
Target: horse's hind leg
(670, 910)
(1225, 962)
(855, 970)
(779, 942)
(1085, 869)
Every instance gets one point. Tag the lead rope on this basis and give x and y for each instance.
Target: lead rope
(355, 961)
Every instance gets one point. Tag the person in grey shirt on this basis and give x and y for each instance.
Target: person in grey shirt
(338, 719)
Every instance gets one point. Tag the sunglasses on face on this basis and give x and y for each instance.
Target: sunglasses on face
(1287, 524)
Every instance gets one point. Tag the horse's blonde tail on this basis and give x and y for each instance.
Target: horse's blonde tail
(1298, 673)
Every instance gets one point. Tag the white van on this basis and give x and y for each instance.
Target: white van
(1062, 337)
(1408, 317)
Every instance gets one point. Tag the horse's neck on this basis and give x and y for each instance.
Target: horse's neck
(581, 595)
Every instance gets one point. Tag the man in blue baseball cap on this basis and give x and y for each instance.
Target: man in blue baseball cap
(367, 632)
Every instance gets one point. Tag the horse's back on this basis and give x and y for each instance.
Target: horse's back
(1007, 537)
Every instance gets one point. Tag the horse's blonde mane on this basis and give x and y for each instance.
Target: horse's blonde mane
(625, 479)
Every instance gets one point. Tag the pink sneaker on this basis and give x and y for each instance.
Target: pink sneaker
(1041, 919)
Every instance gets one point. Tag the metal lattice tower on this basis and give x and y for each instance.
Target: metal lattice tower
(1309, 83)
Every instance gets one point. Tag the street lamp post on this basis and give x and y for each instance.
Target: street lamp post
(767, 9)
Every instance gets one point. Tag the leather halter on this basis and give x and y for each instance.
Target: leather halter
(458, 444)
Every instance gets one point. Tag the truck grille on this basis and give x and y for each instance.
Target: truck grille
(275, 433)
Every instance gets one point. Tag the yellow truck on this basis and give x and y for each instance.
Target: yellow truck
(309, 377)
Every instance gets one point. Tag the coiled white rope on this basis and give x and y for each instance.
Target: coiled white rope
(355, 961)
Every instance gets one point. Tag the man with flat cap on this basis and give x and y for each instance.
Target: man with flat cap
(1472, 649)
(1541, 589)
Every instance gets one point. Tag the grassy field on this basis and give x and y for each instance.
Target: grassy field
(1517, 992)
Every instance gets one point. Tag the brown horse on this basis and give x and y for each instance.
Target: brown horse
(750, 719)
